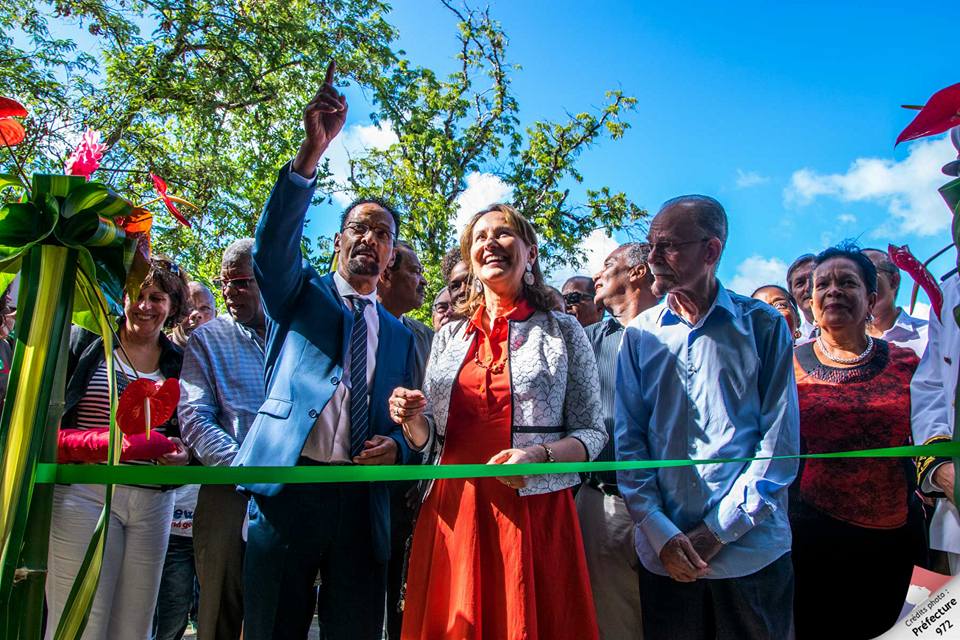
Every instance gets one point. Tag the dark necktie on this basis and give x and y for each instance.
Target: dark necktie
(359, 411)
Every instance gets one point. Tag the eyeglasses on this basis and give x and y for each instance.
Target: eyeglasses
(241, 284)
(575, 297)
(671, 247)
(360, 229)
(441, 307)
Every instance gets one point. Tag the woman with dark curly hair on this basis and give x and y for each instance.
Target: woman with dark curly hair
(140, 516)
(857, 530)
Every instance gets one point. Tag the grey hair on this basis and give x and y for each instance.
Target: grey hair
(635, 253)
(238, 254)
(710, 215)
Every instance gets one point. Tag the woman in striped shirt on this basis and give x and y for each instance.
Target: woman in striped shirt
(140, 516)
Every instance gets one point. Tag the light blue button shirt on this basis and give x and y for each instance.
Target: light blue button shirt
(723, 388)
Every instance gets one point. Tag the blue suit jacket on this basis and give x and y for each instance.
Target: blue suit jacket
(308, 337)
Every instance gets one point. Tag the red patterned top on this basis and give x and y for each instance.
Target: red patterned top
(844, 409)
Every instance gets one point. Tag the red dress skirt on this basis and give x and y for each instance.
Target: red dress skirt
(487, 563)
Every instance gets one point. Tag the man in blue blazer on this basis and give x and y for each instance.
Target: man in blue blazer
(333, 356)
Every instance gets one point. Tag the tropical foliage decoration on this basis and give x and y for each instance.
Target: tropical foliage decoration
(78, 246)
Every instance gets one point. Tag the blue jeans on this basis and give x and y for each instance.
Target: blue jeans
(176, 590)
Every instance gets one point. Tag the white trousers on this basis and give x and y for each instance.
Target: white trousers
(132, 562)
(612, 563)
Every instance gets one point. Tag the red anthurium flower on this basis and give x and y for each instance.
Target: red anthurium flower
(85, 159)
(161, 186)
(942, 112)
(10, 108)
(11, 131)
(146, 404)
(903, 258)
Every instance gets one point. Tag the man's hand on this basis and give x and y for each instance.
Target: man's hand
(322, 120)
(682, 561)
(378, 450)
(943, 477)
(704, 542)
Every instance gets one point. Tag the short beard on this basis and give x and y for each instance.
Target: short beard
(359, 268)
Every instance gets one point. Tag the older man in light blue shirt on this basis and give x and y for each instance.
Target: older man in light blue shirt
(221, 390)
(708, 374)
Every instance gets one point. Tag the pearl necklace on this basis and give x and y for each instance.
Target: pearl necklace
(854, 360)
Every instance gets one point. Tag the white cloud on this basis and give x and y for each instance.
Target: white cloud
(596, 247)
(352, 141)
(747, 179)
(908, 188)
(847, 218)
(483, 189)
(756, 271)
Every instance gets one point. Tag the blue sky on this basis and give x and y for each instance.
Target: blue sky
(786, 114)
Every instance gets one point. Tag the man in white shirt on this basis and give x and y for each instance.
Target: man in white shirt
(932, 416)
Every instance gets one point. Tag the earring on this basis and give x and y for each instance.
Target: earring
(477, 285)
(528, 276)
(870, 318)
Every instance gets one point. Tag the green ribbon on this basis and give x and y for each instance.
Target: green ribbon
(144, 474)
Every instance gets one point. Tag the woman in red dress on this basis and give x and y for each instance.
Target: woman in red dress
(511, 383)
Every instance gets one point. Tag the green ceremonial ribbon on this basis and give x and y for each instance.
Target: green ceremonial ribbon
(143, 474)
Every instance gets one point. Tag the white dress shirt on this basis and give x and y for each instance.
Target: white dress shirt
(931, 402)
(908, 332)
(329, 440)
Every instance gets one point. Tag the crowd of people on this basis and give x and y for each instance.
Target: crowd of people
(651, 358)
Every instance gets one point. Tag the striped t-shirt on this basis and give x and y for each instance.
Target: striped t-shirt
(93, 409)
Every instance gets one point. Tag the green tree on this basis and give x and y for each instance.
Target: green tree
(206, 92)
(448, 128)
(201, 92)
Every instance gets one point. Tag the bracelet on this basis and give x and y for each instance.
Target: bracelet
(549, 453)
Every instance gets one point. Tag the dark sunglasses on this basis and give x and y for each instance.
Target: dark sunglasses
(237, 283)
(575, 297)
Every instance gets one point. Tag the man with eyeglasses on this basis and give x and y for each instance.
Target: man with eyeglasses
(890, 322)
(221, 386)
(707, 374)
(203, 309)
(624, 288)
(578, 298)
(442, 309)
(333, 356)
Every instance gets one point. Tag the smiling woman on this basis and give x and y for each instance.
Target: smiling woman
(854, 393)
(512, 382)
(140, 516)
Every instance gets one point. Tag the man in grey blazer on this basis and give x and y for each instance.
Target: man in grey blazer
(333, 355)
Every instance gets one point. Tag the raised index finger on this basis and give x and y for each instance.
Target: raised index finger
(331, 69)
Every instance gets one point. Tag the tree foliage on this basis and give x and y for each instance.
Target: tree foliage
(206, 92)
(448, 128)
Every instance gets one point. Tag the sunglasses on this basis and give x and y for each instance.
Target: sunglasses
(242, 283)
(575, 297)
